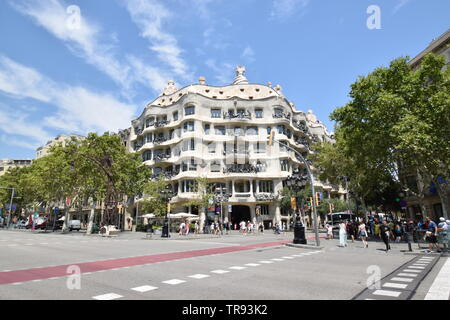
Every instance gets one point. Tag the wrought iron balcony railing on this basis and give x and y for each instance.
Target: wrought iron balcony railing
(161, 157)
(159, 140)
(266, 197)
(238, 115)
(282, 115)
(240, 168)
(161, 123)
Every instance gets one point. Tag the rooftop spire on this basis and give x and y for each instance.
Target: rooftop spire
(240, 78)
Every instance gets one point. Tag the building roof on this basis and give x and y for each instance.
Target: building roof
(434, 46)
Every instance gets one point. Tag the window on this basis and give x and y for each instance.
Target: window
(238, 131)
(188, 186)
(171, 134)
(212, 147)
(189, 126)
(260, 147)
(284, 165)
(278, 112)
(189, 110)
(259, 113)
(220, 130)
(281, 129)
(215, 113)
(207, 128)
(147, 155)
(269, 129)
(188, 145)
(242, 186)
(215, 166)
(193, 165)
(149, 122)
(149, 137)
(252, 131)
(175, 116)
(266, 186)
(264, 209)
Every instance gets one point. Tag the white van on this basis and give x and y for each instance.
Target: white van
(74, 225)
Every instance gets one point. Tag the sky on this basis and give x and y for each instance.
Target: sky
(79, 66)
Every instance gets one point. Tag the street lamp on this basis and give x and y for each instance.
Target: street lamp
(298, 182)
(221, 198)
(167, 194)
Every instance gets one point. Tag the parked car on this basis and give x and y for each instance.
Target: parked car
(41, 223)
(74, 225)
(22, 224)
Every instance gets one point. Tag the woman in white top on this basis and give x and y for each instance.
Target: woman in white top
(363, 233)
(342, 234)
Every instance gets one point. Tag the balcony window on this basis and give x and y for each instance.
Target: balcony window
(189, 110)
(252, 131)
(188, 186)
(220, 130)
(281, 129)
(266, 186)
(193, 165)
(184, 166)
(264, 209)
(215, 113)
(238, 131)
(175, 116)
(157, 171)
(149, 122)
(171, 134)
(260, 147)
(269, 129)
(147, 155)
(261, 166)
(284, 165)
(215, 166)
(207, 128)
(188, 145)
(259, 113)
(278, 113)
(149, 137)
(242, 186)
(212, 147)
(189, 126)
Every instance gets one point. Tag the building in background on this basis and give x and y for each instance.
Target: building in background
(60, 139)
(221, 133)
(6, 164)
(432, 202)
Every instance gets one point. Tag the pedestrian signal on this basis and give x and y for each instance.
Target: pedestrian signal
(294, 203)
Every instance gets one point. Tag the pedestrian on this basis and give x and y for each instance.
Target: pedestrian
(351, 230)
(342, 234)
(213, 226)
(362, 232)
(430, 235)
(196, 227)
(385, 233)
(398, 232)
(329, 231)
(187, 227)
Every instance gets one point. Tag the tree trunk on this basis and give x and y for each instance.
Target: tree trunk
(66, 217)
(421, 185)
(363, 203)
(443, 195)
(202, 219)
(91, 217)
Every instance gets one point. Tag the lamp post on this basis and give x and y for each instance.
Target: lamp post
(221, 198)
(311, 178)
(167, 196)
(297, 182)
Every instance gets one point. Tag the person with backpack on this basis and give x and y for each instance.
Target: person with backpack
(385, 231)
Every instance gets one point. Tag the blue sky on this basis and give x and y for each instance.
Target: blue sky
(61, 76)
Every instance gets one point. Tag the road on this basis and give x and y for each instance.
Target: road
(37, 265)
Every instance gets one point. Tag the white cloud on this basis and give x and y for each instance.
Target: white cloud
(149, 16)
(223, 72)
(248, 54)
(283, 9)
(399, 5)
(19, 143)
(76, 109)
(88, 42)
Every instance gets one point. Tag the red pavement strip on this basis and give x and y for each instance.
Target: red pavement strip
(61, 271)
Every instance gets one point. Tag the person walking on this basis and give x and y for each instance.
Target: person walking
(431, 234)
(196, 227)
(398, 232)
(362, 232)
(351, 230)
(329, 228)
(385, 231)
(342, 234)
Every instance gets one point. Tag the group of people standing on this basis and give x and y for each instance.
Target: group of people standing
(389, 230)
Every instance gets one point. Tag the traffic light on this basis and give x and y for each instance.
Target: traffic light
(317, 199)
(271, 137)
(294, 203)
(309, 203)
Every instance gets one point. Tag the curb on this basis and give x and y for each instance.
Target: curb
(304, 246)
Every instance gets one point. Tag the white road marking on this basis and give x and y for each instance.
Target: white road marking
(37, 280)
(402, 279)
(199, 276)
(144, 288)
(395, 285)
(416, 267)
(173, 281)
(6, 270)
(411, 270)
(252, 264)
(265, 261)
(108, 296)
(287, 258)
(440, 289)
(407, 275)
(387, 293)
(237, 268)
(16, 283)
(43, 243)
(276, 259)
(220, 271)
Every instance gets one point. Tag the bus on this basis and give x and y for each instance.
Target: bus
(338, 217)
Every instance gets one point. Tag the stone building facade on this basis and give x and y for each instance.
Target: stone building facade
(221, 133)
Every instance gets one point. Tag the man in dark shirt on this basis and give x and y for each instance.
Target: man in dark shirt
(385, 231)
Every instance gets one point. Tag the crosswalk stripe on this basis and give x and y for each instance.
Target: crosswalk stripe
(220, 271)
(252, 264)
(265, 261)
(277, 259)
(440, 289)
(173, 281)
(108, 296)
(411, 270)
(407, 275)
(144, 288)
(199, 276)
(395, 285)
(237, 268)
(388, 293)
(402, 279)
(416, 267)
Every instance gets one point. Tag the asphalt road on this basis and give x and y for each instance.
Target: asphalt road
(235, 267)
